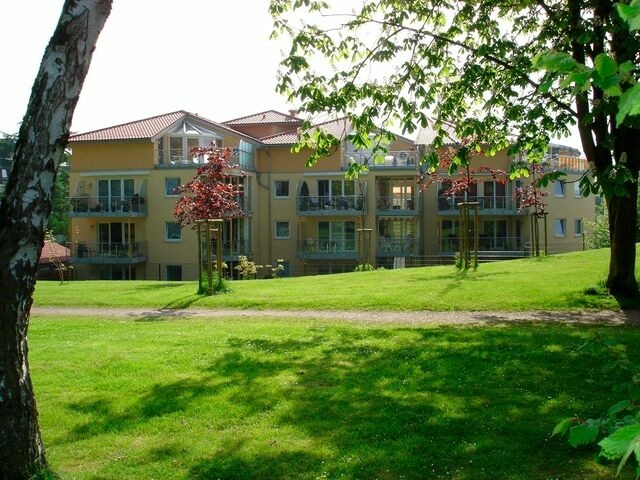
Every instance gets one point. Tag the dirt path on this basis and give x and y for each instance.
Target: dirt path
(600, 317)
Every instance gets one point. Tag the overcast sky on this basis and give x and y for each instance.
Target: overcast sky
(208, 57)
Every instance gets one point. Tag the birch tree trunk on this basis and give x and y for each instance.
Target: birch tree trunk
(23, 217)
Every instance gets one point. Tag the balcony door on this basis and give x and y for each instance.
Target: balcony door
(114, 236)
(115, 194)
(495, 195)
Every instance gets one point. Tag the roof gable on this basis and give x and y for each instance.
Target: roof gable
(338, 128)
(149, 128)
(269, 116)
(140, 129)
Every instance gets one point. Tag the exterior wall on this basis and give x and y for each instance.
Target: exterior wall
(382, 218)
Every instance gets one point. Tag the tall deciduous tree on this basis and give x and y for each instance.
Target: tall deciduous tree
(492, 68)
(24, 213)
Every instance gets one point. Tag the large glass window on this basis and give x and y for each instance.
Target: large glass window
(337, 236)
(114, 195)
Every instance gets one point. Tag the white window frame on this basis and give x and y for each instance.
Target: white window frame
(275, 188)
(166, 184)
(559, 189)
(560, 227)
(275, 231)
(166, 232)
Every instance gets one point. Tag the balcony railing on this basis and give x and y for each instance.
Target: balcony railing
(396, 205)
(492, 205)
(335, 205)
(108, 253)
(232, 250)
(123, 206)
(486, 244)
(321, 249)
(397, 247)
(177, 158)
(393, 159)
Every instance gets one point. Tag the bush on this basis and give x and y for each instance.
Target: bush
(219, 284)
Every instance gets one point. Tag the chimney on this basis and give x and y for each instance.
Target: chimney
(292, 112)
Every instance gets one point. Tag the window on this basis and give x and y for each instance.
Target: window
(576, 190)
(174, 273)
(282, 230)
(173, 231)
(560, 227)
(558, 188)
(337, 236)
(171, 185)
(282, 188)
(577, 227)
(115, 194)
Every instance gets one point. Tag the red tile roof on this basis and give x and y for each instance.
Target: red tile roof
(338, 128)
(139, 129)
(270, 116)
(54, 251)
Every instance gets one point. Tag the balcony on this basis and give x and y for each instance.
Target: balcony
(313, 249)
(495, 205)
(397, 247)
(177, 158)
(335, 206)
(397, 206)
(125, 206)
(401, 159)
(83, 253)
(496, 246)
(232, 250)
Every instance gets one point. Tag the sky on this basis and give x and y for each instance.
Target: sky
(208, 57)
(213, 58)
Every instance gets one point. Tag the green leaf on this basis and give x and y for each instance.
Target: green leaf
(562, 427)
(618, 407)
(605, 65)
(630, 13)
(629, 104)
(615, 445)
(583, 434)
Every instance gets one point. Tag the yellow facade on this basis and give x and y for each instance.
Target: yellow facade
(312, 220)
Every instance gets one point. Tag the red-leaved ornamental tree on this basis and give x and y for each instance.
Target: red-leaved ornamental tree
(213, 191)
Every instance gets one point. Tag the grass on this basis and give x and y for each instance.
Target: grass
(558, 282)
(253, 399)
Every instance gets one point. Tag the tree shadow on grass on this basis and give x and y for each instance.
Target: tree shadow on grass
(384, 403)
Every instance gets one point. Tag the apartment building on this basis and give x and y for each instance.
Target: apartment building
(311, 220)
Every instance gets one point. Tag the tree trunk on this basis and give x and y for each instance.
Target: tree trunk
(23, 217)
(622, 231)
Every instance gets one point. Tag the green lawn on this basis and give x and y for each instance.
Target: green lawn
(556, 282)
(304, 399)
(282, 398)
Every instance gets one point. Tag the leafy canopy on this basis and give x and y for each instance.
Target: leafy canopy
(213, 191)
(509, 74)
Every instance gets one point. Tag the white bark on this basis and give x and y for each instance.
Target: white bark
(23, 216)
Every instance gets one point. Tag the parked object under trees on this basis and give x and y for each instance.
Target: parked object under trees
(493, 69)
(25, 210)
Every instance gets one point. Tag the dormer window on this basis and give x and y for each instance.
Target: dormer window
(186, 136)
